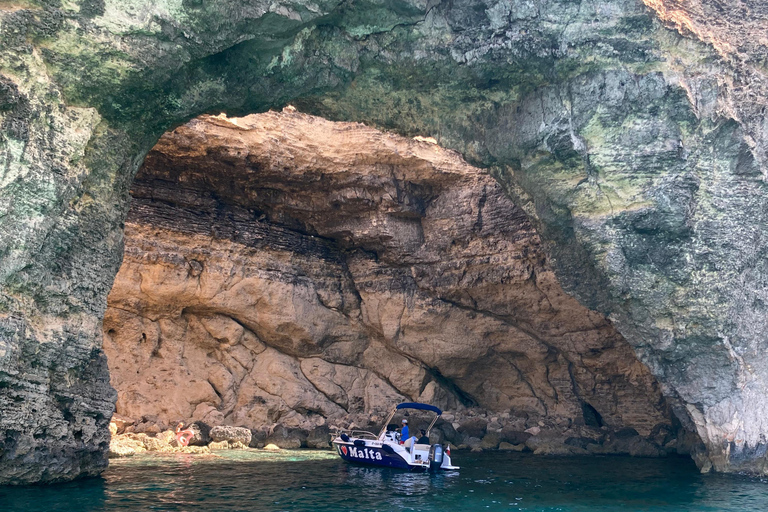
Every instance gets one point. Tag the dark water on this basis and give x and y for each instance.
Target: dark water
(318, 482)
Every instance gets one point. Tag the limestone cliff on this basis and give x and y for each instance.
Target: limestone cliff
(284, 269)
(632, 133)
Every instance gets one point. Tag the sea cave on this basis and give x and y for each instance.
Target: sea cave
(546, 217)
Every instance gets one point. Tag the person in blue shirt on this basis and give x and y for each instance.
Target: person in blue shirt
(404, 433)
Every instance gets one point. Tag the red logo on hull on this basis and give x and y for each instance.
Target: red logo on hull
(344, 449)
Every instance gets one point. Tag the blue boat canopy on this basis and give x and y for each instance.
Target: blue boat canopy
(416, 405)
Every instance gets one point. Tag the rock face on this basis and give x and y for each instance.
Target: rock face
(231, 435)
(631, 132)
(284, 269)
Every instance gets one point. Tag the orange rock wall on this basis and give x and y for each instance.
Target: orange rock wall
(284, 269)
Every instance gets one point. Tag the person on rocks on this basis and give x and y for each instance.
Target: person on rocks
(183, 437)
(404, 432)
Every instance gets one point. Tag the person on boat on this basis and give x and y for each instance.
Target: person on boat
(423, 439)
(404, 432)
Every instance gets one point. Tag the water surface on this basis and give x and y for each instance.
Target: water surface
(318, 482)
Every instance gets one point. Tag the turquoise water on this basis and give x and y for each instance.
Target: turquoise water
(319, 481)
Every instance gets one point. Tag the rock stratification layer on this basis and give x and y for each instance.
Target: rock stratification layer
(632, 132)
(284, 269)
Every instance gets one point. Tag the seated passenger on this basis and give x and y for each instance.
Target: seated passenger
(423, 439)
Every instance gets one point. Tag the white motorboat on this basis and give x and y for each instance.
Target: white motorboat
(388, 450)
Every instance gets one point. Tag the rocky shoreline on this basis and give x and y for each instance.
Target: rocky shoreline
(203, 441)
(467, 431)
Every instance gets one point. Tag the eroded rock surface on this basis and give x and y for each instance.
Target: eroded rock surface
(632, 132)
(282, 269)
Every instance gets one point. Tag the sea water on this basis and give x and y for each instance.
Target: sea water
(318, 481)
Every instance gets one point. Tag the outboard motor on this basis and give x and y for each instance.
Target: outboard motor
(435, 456)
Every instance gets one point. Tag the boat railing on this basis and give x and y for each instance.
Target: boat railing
(360, 434)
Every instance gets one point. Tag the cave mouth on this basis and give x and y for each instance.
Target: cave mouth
(290, 274)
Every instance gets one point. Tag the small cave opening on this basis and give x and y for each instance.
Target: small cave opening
(592, 418)
(287, 274)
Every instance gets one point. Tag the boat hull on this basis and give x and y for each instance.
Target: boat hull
(374, 456)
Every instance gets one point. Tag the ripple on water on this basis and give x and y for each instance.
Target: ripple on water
(317, 481)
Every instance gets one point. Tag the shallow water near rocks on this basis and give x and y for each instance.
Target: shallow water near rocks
(318, 481)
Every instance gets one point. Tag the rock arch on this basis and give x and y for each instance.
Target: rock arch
(638, 153)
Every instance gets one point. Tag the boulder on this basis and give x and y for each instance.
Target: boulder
(193, 449)
(508, 447)
(218, 445)
(121, 423)
(687, 443)
(552, 445)
(580, 442)
(635, 446)
(643, 448)
(319, 438)
(202, 434)
(125, 446)
(449, 433)
(136, 436)
(155, 444)
(168, 437)
(475, 444)
(534, 431)
(558, 449)
(288, 438)
(513, 436)
(661, 435)
(436, 436)
(231, 434)
(474, 427)
(490, 441)
(628, 444)
(147, 427)
(258, 438)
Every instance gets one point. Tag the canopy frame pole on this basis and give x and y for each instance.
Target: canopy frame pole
(429, 428)
(389, 418)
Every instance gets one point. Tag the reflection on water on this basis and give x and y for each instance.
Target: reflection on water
(319, 481)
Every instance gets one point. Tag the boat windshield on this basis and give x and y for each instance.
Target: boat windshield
(417, 416)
